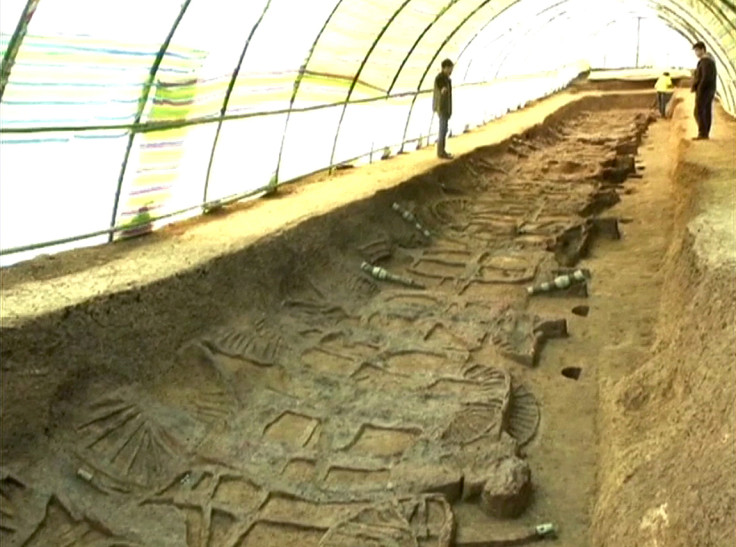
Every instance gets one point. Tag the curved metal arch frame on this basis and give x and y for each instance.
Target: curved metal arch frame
(721, 16)
(681, 15)
(680, 25)
(502, 63)
(666, 6)
(731, 5)
(297, 85)
(597, 32)
(422, 34)
(15, 42)
(649, 2)
(228, 93)
(358, 73)
(483, 28)
(534, 28)
(686, 20)
(604, 27)
(434, 58)
(511, 42)
(706, 30)
(684, 24)
(678, 22)
(559, 6)
(470, 61)
(142, 105)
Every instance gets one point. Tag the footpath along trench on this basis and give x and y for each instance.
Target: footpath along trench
(308, 394)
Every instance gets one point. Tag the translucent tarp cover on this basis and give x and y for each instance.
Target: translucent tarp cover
(113, 114)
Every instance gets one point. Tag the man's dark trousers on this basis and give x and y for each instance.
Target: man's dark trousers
(662, 100)
(704, 112)
(442, 137)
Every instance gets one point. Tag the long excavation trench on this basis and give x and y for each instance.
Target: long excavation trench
(295, 395)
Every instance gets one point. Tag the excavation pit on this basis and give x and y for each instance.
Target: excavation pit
(573, 373)
(283, 373)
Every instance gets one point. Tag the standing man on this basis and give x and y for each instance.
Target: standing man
(665, 88)
(442, 105)
(704, 87)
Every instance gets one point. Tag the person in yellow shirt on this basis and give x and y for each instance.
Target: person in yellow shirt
(665, 88)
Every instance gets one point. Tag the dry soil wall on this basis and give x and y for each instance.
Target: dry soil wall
(667, 430)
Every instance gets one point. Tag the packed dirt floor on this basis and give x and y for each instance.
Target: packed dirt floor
(380, 375)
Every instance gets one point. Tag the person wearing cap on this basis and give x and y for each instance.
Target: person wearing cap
(704, 87)
(442, 105)
(665, 88)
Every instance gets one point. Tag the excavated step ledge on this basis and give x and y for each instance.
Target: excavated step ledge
(667, 429)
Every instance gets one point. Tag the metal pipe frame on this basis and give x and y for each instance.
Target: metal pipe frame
(673, 12)
(684, 19)
(690, 33)
(483, 28)
(422, 34)
(360, 70)
(729, 91)
(504, 35)
(142, 105)
(672, 7)
(694, 31)
(514, 40)
(502, 63)
(434, 58)
(297, 85)
(559, 7)
(226, 100)
(177, 124)
(222, 202)
(718, 15)
(569, 16)
(15, 41)
(225, 201)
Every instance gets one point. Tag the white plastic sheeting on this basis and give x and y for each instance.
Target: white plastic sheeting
(111, 109)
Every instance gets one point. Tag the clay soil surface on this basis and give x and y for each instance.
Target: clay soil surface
(290, 394)
(668, 413)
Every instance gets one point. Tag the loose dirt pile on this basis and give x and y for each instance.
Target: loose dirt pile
(358, 381)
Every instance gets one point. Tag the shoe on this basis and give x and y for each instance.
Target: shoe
(445, 156)
(700, 138)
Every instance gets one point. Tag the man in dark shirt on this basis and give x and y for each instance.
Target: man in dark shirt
(704, 87)
(442, 105)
